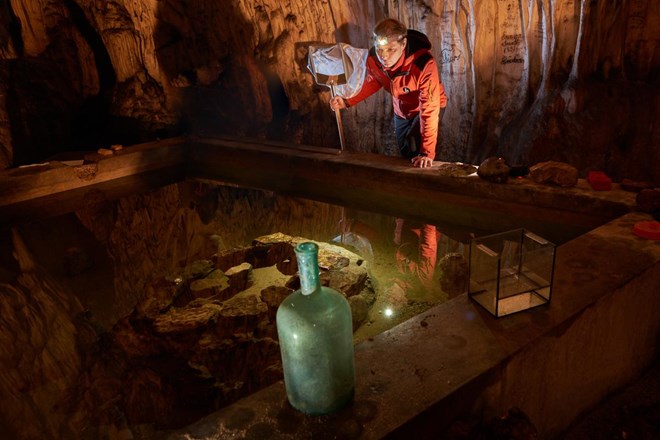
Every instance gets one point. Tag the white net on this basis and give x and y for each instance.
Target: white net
(339, 66)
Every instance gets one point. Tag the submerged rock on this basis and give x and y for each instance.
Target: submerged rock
(212, 326)
(454, 272)
(215, 283)
(240, 277)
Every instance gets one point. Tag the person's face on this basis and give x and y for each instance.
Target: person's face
(390, 52)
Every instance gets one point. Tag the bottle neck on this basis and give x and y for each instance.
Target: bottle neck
(308, 267)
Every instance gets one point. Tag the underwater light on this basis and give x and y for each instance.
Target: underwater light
(388, 312)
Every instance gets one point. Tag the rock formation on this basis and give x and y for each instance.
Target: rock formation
(147, 320)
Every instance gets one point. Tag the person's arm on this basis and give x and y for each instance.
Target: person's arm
(432, 98)
(370, 86)
(428, 254)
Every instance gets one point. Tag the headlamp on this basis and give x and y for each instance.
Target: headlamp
(380, 41)
(383, 40)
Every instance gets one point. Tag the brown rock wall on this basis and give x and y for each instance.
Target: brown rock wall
(39, 353)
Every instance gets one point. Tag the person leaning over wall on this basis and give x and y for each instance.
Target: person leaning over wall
(401, 62)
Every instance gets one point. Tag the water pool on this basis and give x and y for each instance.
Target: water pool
(97, 264)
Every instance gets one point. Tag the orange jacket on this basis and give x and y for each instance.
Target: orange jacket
(417, 252)
(415, 86)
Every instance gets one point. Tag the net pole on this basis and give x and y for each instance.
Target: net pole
(338, 118)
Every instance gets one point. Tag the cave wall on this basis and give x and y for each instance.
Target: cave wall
(534, 80)
(38, 354)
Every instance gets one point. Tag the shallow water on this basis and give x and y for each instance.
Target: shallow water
(110, 262)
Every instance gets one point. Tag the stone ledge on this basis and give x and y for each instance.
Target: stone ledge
(390, 186)
(366, 181)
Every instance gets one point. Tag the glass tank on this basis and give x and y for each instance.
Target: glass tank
(511, 271)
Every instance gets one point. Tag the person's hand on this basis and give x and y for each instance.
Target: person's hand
(421, 162)
(337, 103)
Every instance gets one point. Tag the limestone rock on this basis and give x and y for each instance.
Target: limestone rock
(456, 169)
(494, 169)
(240, 277)
(348, 281)
(198, 269)
(39, 349)
(260, 254)
(241, 306)
(187, 319)
(274, 295)
(454, 272)
(86, 171)
(554, 173)
(214, 284)
(360, 306)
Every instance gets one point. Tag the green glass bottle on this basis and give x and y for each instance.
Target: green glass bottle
(315, 330)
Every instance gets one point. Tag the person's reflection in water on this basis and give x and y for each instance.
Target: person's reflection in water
(409, 247)
(416, 254)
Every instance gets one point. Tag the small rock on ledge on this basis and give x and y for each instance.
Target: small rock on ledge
(554, 173)
(494, 169)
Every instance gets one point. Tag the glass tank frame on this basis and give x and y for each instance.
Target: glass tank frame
(510, 272)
